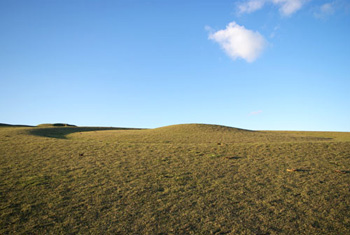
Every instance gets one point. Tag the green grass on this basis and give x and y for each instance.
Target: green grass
(181, 179)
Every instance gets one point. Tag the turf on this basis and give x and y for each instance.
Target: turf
(181, 179)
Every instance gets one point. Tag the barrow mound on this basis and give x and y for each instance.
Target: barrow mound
(56, 125)
(198, 128)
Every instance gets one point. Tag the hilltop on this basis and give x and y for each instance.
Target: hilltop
(179, 133)
(198, 127)
(198, 134)
(56, 125)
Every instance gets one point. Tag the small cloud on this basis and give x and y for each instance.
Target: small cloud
(239, 42)
(275, 29)
(208, 28)
(250, 6)
(325, 10)
(286, 7)
(255, 112)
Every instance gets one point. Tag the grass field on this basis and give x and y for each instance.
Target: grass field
(181, 179)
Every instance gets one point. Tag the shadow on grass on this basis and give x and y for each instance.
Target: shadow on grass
(302, 170)
(298, 170)
(233, 157)
(10, 125)
(62, 132)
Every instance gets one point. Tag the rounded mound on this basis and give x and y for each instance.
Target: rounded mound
(195, 128)
(55, 125)
(181, 133)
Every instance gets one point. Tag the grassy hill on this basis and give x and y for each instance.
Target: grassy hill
(180, 179)
(200, 134)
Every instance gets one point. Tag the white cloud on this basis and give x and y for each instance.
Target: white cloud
(325, 10)
(286, 7)
(239, 42)
(251, 6)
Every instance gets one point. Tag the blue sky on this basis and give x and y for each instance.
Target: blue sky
(255, 64)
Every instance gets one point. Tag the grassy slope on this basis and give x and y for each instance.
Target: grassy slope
(174, 179)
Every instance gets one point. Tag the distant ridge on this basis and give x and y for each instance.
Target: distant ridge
(179, 133)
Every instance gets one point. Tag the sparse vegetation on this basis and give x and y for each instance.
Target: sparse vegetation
(181, 179)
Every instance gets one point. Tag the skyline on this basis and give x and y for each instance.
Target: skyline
(257, 64)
